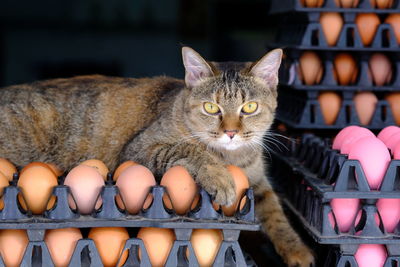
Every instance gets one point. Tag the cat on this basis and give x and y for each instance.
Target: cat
(217, 116)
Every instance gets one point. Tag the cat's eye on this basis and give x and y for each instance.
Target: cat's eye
(211, 108)
(249, 107)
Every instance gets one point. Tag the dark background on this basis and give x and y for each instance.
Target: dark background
(132, 38)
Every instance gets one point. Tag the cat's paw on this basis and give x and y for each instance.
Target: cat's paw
(218, 182)
(301, 256)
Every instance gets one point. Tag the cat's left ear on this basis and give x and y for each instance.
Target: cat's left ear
(267, 68)
(196, 68)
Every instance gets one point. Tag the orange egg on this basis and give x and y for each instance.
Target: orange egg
(122, 167)
(7, 168)
(381, 69)
(61, 244)
(55, 169)
(36, 182)
(394, 102)
(367, 24)
(110, 242)
(181, 189)
(158, 243)
(36, 163)
(310, 68)
(12, 246)
(394, 21)
(383, 4)
(3, 183)
(98, 165)
(85, 184)
(346, 69)
(330, 103)
(347, 3)
(206, 243)
(365, 105)
(312, 3)
(134, 184)
(241, 183)
(331, 24)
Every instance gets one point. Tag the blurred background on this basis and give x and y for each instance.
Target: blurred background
(132, 38)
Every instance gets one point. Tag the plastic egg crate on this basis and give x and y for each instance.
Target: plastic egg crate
(313, 175)
(284, 6)
(302, 110)
(157, 214)
(307, 33)
(87, 254)
(290, 72)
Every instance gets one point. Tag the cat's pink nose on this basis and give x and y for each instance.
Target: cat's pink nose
(231, 133)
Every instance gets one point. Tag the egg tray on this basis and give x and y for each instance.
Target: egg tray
(302, 110)
(311, 184)
(289, 77)
(86, 253)
(286, 6)
(343, 256)
(204, 216)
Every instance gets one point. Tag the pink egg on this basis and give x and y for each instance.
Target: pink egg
(353, 137)
(371, 255)
(386, 132)
(389, 209)
(392, 141)
(374, 159)
(396, 152)
(341, 136)
(345, 210)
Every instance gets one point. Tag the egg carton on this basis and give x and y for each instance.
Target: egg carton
(364, 6)
(302, 110)
(306, 33)
(203, 216)
(289, 77)
(311, 184)
(86, 254)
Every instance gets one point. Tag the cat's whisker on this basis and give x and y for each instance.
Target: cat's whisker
(274, 141)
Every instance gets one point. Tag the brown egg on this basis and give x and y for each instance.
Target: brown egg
(330, 103)
(365, 105)
(122, 167)
(181, 189)
(381, 69)
(312, 3)
(36, 182)
(110, 242)
(61, 244)
(394, 21)
(12, 246)
(3, 183)
(347, 3)
(85, 183)
(58, 172)
(383, 4)
(346, 68)
(331, 24)
(158, 243)
(310, 68)
(134, 185)
(242, 183)
(394, 102)
(98, 165)
(7, 168)
(206, 243)
(36, 163)
(367, 24)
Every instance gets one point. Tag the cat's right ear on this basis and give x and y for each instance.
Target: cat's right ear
(196, 68)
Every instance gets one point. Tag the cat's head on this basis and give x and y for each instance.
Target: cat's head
(230, 105)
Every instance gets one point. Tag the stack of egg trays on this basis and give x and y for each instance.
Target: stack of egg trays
(301, 110)
(313, 174)
(204, 216)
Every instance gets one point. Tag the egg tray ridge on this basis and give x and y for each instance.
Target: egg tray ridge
(86, 253)
(307, 173)
(286, 6)
(302, 110)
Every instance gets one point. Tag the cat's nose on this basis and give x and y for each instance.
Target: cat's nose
(231, 133)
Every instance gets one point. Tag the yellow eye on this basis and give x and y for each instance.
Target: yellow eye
(211, 108)
(249, 108)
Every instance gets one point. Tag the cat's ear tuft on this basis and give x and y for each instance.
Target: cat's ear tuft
(267, 68)
(196, 68)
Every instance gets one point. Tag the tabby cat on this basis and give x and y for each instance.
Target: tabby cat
(217, 116)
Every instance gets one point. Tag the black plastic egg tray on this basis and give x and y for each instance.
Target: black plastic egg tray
(364, 6)
(288, 75)
(313, 174)
(204, 216)
(302, 110)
